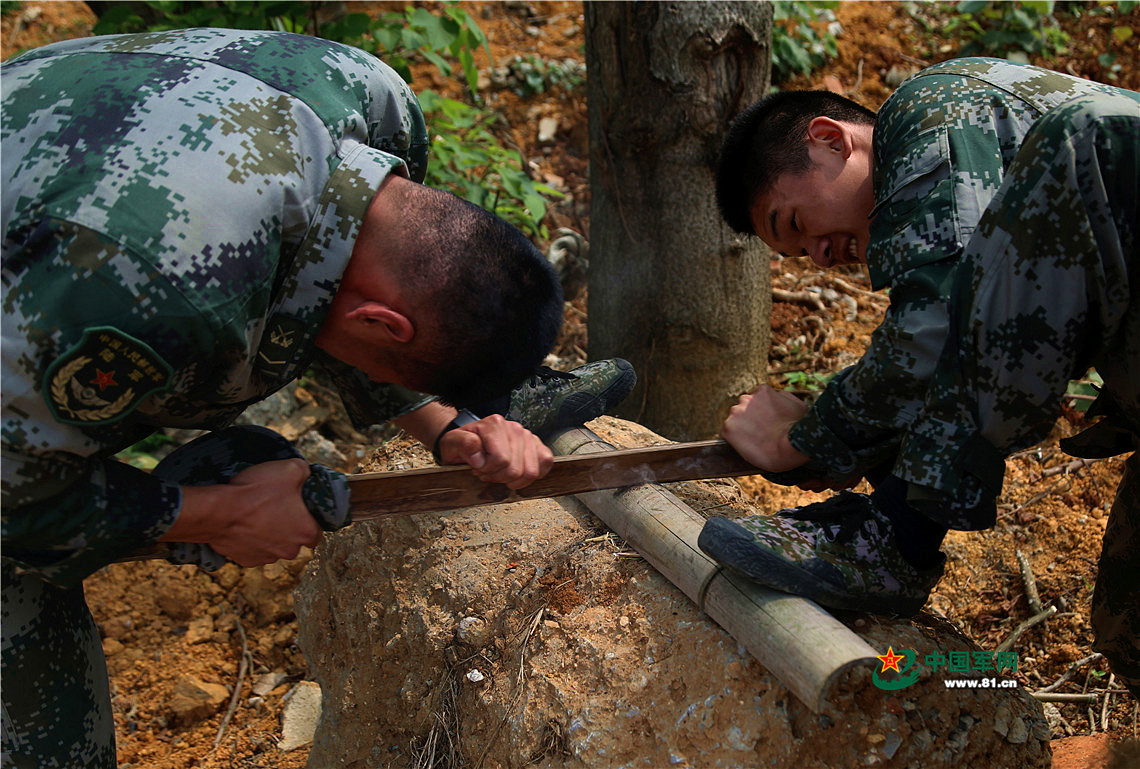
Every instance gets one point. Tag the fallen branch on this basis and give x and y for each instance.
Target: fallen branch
(242, 667)
(1068, 467)
(1030, 583)
(1005, 645)
(1073, 668)
(851, 288)
(1061, 697)
(1104, 706)
(798, 297)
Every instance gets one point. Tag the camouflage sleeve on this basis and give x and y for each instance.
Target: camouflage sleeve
(941, 144)
(370, 403)
(65, 516)
(72, 384)
(857, 421)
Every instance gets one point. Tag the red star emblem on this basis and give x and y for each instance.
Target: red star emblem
(104, 379)
(890, 660)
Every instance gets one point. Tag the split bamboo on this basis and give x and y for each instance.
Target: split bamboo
(802, 645)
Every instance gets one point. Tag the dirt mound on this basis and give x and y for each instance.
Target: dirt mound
(526, 634)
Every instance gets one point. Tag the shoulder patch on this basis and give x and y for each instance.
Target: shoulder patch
(103, 377)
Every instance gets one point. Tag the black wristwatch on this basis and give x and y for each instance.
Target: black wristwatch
(464, 417)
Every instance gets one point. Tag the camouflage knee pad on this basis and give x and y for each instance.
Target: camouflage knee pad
(219, 456)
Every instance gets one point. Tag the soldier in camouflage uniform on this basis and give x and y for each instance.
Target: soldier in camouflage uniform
(998, 202)
(191, 220)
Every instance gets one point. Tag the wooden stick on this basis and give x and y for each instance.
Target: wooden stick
(1061, 697)
(1104, 706)
(242, 667)
(1034, 620)
(439, 489)
(1069, 467)
(798, 642)
(1030, 583)
(1073, 668)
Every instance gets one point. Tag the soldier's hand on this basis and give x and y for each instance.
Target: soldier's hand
(757, 427)
(258, 517)
(498, 450)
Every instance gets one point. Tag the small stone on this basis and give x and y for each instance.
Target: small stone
(267, 682)
(472, 631)
(547, 128)
(1018, 733)
(194, 700)
(201, 629)
(300, 716)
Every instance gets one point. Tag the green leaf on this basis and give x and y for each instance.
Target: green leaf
(438, 61)
(437, 34)
(971, 6)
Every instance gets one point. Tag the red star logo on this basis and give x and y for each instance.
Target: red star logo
(891, 660)
(104, 379)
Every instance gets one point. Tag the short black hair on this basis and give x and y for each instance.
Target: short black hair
(491, 300)
(769, 139)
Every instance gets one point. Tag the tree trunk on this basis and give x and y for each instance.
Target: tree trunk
(672, 289)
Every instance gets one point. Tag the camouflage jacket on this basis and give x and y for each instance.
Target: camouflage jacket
(178, 209)
(941, 146)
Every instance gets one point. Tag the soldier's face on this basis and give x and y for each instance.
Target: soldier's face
(821, 214)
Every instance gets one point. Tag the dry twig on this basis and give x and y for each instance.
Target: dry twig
(242, 667)
(1104, 706)
(1073, 668)
(1062, 697)
(1030, 583)
(1068, 467)
(798, 297)
(1005, 645)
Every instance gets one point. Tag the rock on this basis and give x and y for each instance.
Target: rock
(473, 631)
(194, 700)
(118, 628)
(200, 630)
(547, 128)
(320, 450)
(267, 682)
(268, 590)
(300, 716)
(176, 599)
(380, 611)
(276, 408)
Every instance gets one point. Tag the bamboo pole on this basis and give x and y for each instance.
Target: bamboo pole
(798, 642)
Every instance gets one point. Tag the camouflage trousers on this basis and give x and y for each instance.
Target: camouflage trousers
(1116, 597)
(57, 701)
(1049, 286)
(56, 695)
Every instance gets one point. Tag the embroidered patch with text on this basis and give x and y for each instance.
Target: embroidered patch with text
(103, 377)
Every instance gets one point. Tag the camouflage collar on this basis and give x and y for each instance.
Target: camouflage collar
(312, 279)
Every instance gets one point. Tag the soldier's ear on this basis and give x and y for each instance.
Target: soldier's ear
(379, 318)
(832, 135)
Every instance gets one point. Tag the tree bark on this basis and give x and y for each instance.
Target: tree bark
(672, 289)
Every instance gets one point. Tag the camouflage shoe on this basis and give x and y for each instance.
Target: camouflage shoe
(840, 553)
(554, 400)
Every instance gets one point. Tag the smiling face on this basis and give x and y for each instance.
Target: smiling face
(823, 213)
